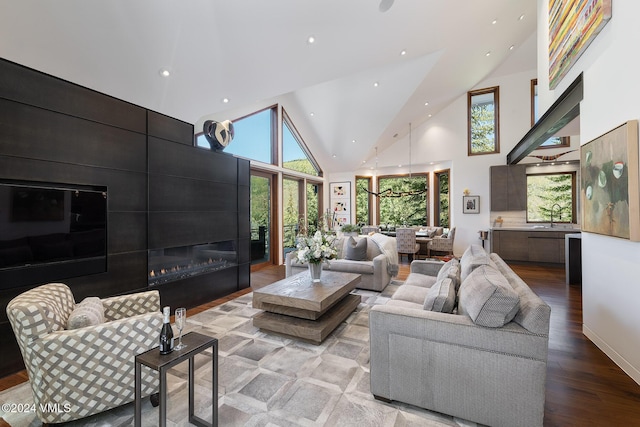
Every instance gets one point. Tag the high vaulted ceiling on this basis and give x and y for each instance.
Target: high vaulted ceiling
(249, 51)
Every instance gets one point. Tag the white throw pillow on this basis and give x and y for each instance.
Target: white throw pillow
(89, 312)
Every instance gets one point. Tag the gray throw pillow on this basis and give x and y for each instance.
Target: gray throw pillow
(450, 269)
(441, 296)
(488, 298)
(89, 312)
(356, 251)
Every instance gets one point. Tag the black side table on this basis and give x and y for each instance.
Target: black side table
(196, 343)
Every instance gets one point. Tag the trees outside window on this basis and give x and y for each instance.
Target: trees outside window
(551, 191)
(363, 200)
(441, 198)
(403, 200)
(483, 123)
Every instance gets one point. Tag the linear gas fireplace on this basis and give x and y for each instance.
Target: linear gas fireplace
(170, 264)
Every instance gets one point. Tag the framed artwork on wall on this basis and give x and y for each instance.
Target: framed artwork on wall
(471, 204)
(610, 183)
(341, 201)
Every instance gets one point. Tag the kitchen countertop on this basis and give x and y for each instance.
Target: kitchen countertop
(537, 228)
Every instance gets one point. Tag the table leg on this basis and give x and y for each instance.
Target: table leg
(162, 413)
(191, 389)
(138, 404)
(214, 391)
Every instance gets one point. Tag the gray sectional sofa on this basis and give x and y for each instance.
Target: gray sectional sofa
(376, 268)
(466, 338)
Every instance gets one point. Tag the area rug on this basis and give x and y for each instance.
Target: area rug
(269, 380)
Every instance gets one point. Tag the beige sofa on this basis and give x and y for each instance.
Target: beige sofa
(376, 271)
(484, 361)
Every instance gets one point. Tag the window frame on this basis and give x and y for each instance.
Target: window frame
(565, 141)
(495, 90)
(574, 197)
(286, 121)
(436, 197)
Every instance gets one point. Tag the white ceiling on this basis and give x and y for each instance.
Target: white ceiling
(254, 50)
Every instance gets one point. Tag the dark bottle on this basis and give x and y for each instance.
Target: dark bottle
(166, 333)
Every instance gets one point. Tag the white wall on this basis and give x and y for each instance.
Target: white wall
(443, 140)
(610, 288)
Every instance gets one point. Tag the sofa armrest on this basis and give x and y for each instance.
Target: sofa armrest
(381, 276)
(426, 267)
(125, 306)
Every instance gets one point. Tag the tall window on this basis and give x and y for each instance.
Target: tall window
(403, 200)
(291, 212)
(552, 193)
(554, 141)
(484, 130)
(253, 136)
(295, 155)
(313, 205)
(441, 198)
(260, 217)
(363, 200)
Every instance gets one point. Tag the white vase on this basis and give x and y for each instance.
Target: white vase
(315, 270)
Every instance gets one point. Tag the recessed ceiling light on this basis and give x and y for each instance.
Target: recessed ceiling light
(353, 140)
(364, 161)
(399, 166)
(429, 115)
(488, 53)
(311, 40)
(334, 156)
(512, 47)
(164, 72)
(376, 84)
(312, 114)
(225, 100)
(426, 103)
(521, 17)
(494, 22)
(403, 53)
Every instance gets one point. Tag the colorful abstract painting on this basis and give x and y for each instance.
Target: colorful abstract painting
(573, 24)
(609, 183)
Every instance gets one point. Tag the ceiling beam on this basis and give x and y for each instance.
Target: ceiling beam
(565, 109)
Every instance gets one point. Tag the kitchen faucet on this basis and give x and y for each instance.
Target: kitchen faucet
(559, 213)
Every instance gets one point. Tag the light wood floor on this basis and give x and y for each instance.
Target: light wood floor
(584, 387)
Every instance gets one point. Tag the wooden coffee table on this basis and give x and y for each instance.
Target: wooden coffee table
(299, 308)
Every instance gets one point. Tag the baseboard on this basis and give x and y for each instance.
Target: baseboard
(612, 354)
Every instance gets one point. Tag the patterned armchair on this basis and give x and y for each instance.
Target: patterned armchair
(406, 241)
(86, 370)
(442, 244)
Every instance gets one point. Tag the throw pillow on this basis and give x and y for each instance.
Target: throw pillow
(450, 269)
(89, 312)
(441, 296)
(487, 297)
(474, 256)
(356, 251)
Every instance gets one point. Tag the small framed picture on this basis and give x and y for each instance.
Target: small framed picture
(471, 204)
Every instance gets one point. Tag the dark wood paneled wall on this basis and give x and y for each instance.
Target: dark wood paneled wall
(162, 191)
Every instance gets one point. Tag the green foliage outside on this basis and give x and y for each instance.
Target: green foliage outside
(362, 201)
(544, 191)
(291, 214)
(313, 214)
(443, 196)
(260, 195)
(301, 165)
(404, 210)
(483, 136)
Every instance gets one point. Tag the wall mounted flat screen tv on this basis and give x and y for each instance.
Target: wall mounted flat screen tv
(51, 231)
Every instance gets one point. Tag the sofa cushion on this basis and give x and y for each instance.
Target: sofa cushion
(356, 251)
(474, 256)
(441, 296)
(450, 269)
(487, 297)
(422, 280)
(403, 304)
(414, 294)
(89, 312)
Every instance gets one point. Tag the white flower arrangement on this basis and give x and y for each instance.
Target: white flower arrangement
(317, 248)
